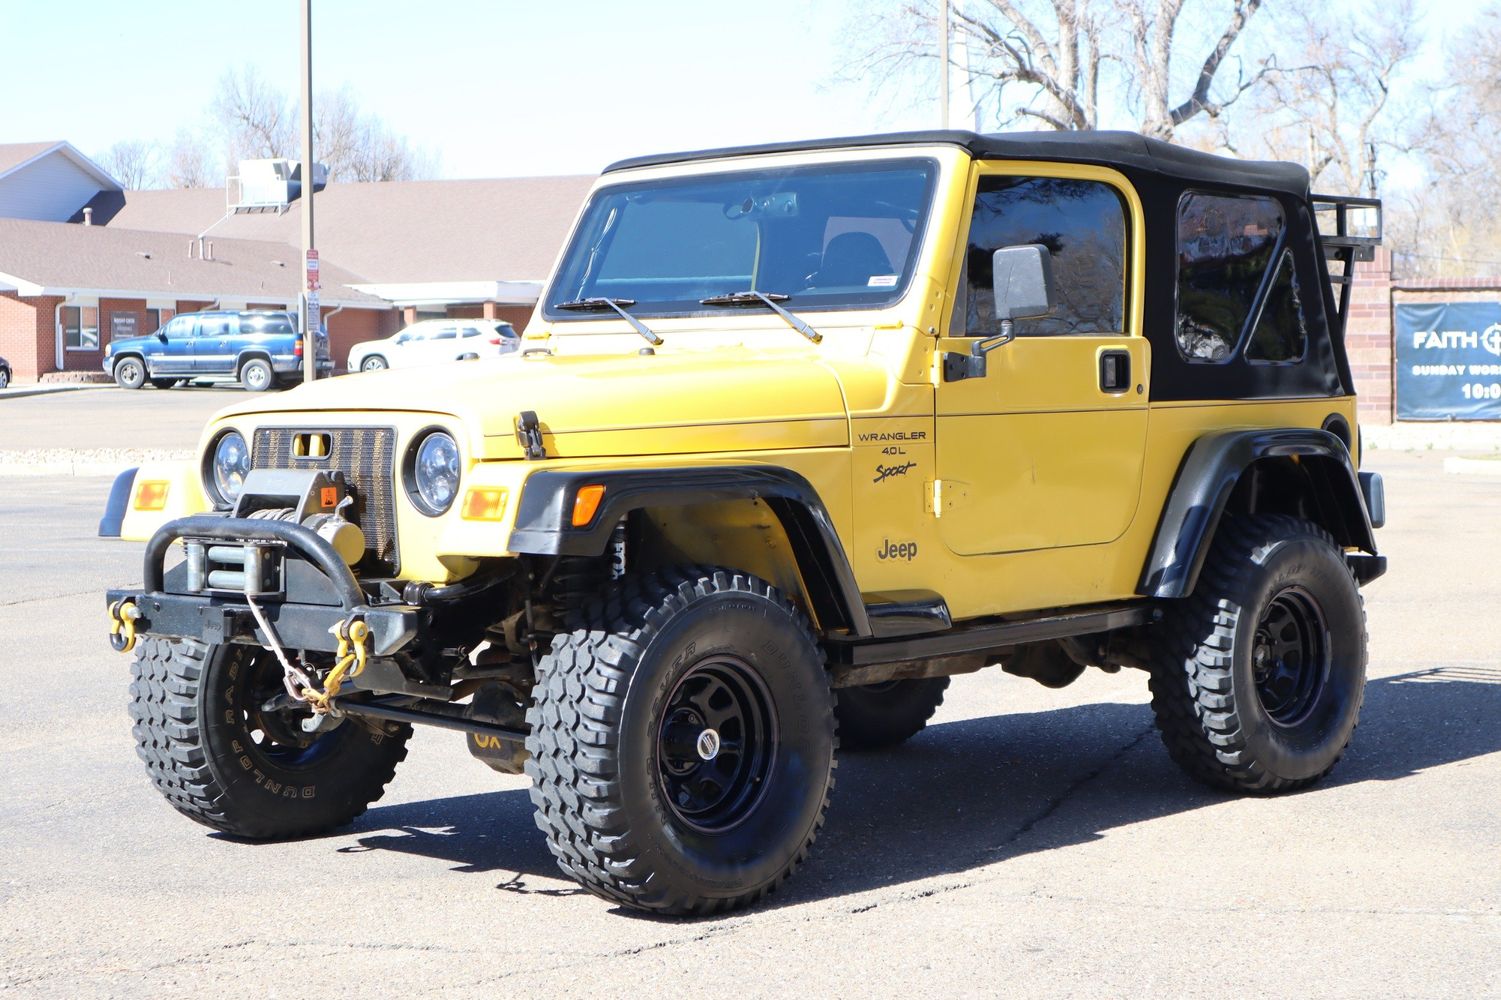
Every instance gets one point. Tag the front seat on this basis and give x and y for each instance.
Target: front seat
(851, 259)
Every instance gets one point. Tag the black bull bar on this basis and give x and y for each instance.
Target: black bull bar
(320, 591)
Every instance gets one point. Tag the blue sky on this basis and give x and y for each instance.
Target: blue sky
(494, 87)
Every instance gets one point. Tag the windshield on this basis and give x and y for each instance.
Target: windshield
(829, 237)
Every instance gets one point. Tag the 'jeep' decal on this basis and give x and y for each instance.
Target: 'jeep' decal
(904, 551)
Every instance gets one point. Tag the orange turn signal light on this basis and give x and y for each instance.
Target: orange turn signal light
(152, 495)
(484, 504)
(586, 504)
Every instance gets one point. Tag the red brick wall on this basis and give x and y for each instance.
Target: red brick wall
(1368, 338)
(517, 316)
(348, 327)
(28, 337)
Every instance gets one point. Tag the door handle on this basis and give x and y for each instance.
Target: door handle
(1115, 371)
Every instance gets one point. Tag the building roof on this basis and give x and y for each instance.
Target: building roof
(1111, 149)
(18, 154)
(505, 229)
(43, 258)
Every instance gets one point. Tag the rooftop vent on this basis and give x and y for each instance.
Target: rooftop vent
(268, 186)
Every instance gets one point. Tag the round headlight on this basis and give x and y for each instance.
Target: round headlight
(230, 465)
(435, 473)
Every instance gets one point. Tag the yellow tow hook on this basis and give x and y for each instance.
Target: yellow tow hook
(352, 635)
(122, 625)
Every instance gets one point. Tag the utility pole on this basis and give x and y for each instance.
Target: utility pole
(943, 64)
(310, 311)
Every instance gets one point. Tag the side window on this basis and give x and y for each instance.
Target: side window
(469, 331)
(179, 328)
(1281, 334)
(1225, 247)
(1083, 225)
(210, 325)
(444, 333)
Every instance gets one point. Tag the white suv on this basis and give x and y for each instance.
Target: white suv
(434, 341)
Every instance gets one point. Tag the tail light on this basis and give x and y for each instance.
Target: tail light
(297, 347)
(495, 339)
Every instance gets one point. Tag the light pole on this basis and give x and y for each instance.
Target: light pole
(943, 64)
(309, 295)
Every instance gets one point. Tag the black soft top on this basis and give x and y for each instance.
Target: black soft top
(1135, 153)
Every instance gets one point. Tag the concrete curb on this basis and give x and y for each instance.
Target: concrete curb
(22, 391)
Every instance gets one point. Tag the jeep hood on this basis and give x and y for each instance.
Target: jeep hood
(592, 406)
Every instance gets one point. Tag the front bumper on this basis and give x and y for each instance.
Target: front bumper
(314, 590)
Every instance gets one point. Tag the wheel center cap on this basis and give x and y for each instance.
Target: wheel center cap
(708, 744)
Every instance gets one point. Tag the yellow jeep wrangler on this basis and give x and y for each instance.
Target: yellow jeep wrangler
(796, 433)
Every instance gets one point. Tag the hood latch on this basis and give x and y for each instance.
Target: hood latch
(529, 434)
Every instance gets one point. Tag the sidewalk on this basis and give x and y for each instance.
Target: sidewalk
(48, 388)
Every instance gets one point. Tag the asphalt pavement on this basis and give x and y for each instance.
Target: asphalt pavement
(1029, 843)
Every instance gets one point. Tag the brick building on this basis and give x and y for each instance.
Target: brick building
(83, 260)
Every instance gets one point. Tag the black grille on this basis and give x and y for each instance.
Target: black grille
(366, 456)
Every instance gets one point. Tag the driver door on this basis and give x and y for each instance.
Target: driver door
(1045, 449)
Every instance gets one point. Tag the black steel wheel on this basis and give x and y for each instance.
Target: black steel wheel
(1258, 677)
(878, 716)
(715, 744)
(130, 372)
(682, 741)
(227, 750)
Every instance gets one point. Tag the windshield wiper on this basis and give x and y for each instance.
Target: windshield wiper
(769, 299)
(600, 303)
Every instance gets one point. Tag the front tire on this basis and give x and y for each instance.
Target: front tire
(374, 363)
(1258, 677)
(130, 373)
(256, 375)
(222, 760)
(682, 742)
(878, 716)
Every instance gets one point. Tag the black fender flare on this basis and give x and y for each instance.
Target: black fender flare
(1208, 475)
(544, 526)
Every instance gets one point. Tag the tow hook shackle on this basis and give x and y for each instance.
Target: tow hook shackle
(122, 625)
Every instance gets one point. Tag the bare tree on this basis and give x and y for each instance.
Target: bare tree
(1064, 53)
(258, 120)
(1333, 108)
(188, 165)
(135, 164)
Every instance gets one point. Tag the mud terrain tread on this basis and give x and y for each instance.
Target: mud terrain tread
(574, 721)
(166, 678)
(1196, 714)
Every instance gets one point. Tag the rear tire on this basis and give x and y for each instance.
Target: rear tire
(224, 762)
(1258, 677)
(878, 716)
(256, 375)
(130, 373)
(640, 804)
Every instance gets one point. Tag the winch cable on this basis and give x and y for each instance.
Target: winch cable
(296, 680)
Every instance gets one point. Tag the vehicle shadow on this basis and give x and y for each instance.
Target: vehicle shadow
(972, 793)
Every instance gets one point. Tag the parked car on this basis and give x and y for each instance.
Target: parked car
(433, 341)
(4, 373)
(252, 348)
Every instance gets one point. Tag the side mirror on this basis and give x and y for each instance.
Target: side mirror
(161, 335)
(1022, 278)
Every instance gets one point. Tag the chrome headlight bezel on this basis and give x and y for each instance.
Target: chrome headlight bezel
(434, 452)
(221, 466)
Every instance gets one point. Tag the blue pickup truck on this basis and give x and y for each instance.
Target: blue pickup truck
(253, 348)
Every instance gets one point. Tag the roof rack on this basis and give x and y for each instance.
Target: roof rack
(1357, 231)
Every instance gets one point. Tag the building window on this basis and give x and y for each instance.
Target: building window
(157, 318)
(81, 328)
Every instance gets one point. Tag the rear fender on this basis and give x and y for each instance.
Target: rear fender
(1330, 494)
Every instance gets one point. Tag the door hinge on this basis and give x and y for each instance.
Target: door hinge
(933, 497)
